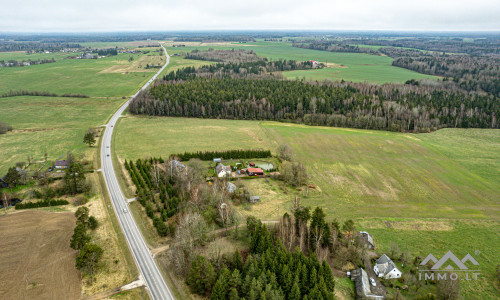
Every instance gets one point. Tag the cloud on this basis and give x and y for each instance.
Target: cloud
(126, 15)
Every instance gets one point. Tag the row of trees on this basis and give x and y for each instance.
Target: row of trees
(233, 56)
(89, 253)
(361, 105)
(43, 203)
(12, 93)
(22, 63)
(32, 46)
(225, 154)
(257, 69)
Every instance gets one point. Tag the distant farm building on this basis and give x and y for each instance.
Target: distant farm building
(366, 240)
(61, 164)
(254, 171)
(254, 199)
(223, 171)
(386, 268)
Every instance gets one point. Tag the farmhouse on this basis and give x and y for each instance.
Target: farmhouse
(223, 171)
(366, 240)
(386, 268)
(61, 164)
(254, 171)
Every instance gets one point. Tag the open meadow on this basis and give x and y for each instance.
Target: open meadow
(429, 193)
(49, 125)
(92, 77)
(347, 66)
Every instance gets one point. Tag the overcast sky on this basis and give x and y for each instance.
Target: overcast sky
(166, 15)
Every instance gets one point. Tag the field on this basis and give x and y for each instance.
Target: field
(80, 76)
(355, 66)
(437, 191)
(47, 124)
(140, 137)
(47, 273)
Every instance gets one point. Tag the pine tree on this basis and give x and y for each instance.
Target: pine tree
(201, 276)
(326, 273)
(237, 261)
(295, 292)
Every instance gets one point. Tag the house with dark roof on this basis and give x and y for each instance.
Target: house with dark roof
(386, 268)
(223, 171)
(363, 286)
(61, 164)
(366, 240)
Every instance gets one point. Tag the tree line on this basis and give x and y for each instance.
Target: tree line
(233, 56)
(258, 69)
(43, 203)
(393, 107)
(22, 63)
(12, 93)
(32, 46)
(89, 253)
(225, 154)
(470, 66)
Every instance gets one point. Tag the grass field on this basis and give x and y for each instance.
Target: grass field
(46, 124)
(438, 191)
(82, 76)
(356, 66)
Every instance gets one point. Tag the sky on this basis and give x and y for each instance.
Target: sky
(167, 15)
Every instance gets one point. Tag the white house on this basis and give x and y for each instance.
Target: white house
(223, 171)
(386, 268)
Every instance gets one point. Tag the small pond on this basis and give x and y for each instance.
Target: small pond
(264, 165)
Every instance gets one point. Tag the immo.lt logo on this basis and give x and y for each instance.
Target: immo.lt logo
(448, 267)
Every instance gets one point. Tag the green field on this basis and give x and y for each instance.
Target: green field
(439, 191)
(355, 66)
(46, 124)
(83, 76)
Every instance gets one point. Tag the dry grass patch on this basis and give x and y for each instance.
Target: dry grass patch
(36, 260)
(137, 65)
(113, 272)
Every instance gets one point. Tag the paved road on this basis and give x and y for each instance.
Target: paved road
(157, 287)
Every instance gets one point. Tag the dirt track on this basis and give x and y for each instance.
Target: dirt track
(36, 261)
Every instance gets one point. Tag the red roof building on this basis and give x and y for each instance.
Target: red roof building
(255, 171)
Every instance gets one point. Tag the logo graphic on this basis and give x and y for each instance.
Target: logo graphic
(449, 256)
(449, 263)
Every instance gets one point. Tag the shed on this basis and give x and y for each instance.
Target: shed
(255, 171)
(217, 160)
(254, 199)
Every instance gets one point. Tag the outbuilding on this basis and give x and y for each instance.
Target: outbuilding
(254, 171)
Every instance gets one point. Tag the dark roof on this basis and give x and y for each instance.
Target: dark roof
(62, 163)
